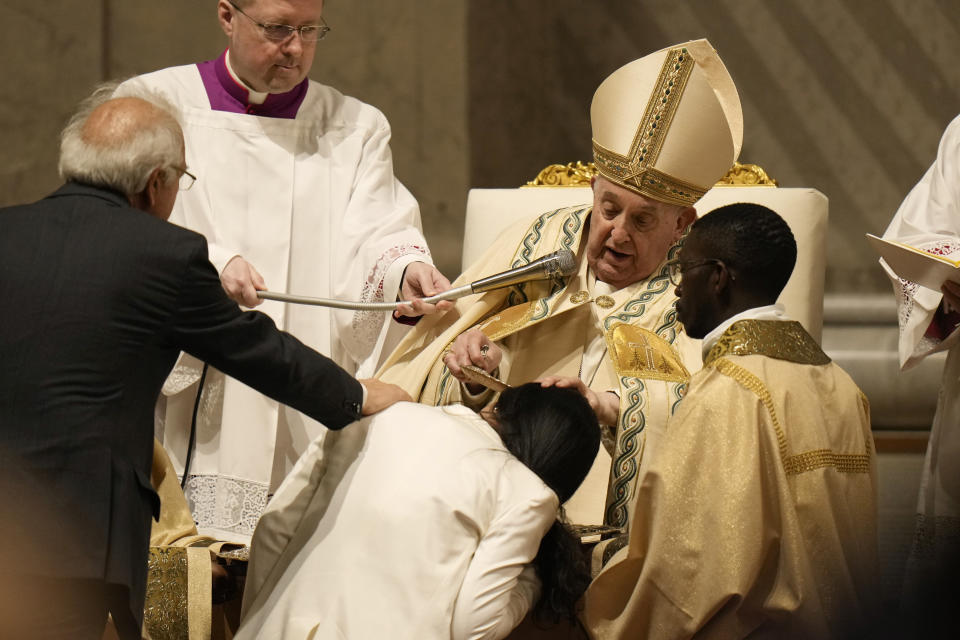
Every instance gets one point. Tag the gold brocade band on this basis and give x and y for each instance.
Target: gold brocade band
(179, 587)
(842, 462)
(782, 340)
(165, 613)
(647, 180)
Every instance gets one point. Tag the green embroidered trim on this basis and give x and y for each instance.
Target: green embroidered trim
(445, 378)
(629, 451)
(679, 392)
(571, 228)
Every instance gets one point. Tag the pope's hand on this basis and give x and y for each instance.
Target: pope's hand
(381, 395)
(241, 282)
(951, 296)
(472, 347)
(422, 280)
(606, 404)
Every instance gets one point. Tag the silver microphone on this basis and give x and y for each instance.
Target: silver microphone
(557, 264)
(554, 265)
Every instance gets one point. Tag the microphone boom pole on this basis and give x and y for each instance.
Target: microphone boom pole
(557, 264)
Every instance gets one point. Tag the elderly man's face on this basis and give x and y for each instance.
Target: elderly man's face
(630, 234)
(265, 65)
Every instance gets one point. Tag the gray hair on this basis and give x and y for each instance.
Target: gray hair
(124, 158)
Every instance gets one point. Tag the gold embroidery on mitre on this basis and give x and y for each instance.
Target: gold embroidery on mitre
(508, 321)
(635, 170)
(778, 339)
(640, 353)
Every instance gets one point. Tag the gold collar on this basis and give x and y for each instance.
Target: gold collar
(780, 339)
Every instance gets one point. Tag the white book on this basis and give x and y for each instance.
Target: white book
(916, 265)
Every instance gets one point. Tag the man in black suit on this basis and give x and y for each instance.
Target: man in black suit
(100, 296)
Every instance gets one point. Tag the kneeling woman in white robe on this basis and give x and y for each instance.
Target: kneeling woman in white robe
(426, 522)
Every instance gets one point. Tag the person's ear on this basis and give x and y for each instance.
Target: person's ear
(149, 198)
(156, 182)
(686, 217)
(225, 17)
(724, 280)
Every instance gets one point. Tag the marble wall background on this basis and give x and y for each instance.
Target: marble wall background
(848, 96)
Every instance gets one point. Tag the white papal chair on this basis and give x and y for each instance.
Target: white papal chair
(490, 211)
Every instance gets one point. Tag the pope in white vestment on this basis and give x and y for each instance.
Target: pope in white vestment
(415, 523)
(929, 219)
(666, 127)
(301, 185)
(625, 340)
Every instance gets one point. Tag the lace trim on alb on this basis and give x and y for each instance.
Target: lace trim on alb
(367, 324)
(228, 504)
(905, 302)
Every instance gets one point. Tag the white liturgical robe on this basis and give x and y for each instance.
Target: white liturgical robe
(929, 219)
(312, 203)
(415, 523)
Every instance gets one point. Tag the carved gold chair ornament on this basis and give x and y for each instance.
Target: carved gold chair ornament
(579, 174)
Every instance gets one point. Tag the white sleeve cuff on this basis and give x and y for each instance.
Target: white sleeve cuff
(394, 275)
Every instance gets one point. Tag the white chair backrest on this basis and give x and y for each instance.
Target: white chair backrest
(490, 211)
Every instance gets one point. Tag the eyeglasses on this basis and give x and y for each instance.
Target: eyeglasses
(186, 178)
(677, 269)
(281, 32)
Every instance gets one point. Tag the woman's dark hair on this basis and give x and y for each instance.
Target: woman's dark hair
(554, 432)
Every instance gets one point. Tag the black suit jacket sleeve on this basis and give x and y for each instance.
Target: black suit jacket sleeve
(248, 346)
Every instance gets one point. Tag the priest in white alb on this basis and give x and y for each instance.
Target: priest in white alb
(295, 192)
(929, 219)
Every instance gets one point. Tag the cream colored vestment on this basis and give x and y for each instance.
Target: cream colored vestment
(758, 515)
(313, 204)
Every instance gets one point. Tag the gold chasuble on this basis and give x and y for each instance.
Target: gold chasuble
(758, 515)
(543, 328)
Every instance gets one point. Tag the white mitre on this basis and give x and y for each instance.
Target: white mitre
(668, 125)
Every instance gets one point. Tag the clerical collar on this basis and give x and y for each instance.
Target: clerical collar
(227, 92)
(253, 96)
(769, 312)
